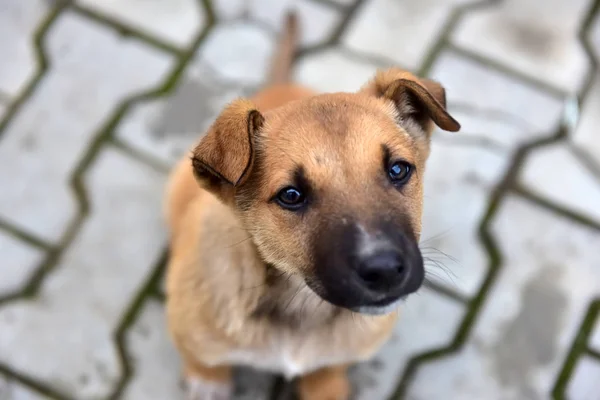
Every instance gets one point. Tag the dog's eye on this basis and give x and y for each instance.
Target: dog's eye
(290, 198)
(399, 172)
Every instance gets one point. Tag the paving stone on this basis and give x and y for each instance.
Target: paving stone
(10, 390)
(178, 22)
(232, 63)
(81, 302)
(154, 359)
(494, 108)
(317, 21)
(458, 182)
(403, 31)
(93, 69)
(427, 321)
(573, 187)
(19, 261)
(18, 22)
(586, 136)
(333, 71)
(584, 384)
(545, 47)
(529, 318)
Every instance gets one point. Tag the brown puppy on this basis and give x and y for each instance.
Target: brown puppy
(295, 249)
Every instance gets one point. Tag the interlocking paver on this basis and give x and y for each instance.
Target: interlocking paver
(403, 31)
(93, 70)
(585, 384)
(19, 261)
(154, 359)
(586, 136)
(426, 321)
(317, 20)
(580, 192)
(497, 114)
(231, 63)
(531, 315)
(333, 71)
(63, 336)
(10, 390)
(18, 22)
(544, 47)
(176, 21)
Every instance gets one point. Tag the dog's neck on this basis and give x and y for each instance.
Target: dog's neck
(288, 302)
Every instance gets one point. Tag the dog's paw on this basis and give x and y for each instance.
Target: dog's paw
(198, 389)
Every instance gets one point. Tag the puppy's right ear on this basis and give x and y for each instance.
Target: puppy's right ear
(225, 154)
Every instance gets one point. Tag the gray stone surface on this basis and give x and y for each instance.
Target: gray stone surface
(585, 384)
(531, 314)
(333, 71)
(93, 71)
(10, 390)
(61, 338)
(19, 261)
(426, 321)
(458, 181)
(403, 31)
(493, 108)
(580, 192)
(81, 303)
(544, 47)
(18, 23)
(178, 22)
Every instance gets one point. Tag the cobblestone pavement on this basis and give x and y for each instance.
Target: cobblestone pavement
(99, 97)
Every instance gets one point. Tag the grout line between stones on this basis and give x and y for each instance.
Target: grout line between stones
(443, 38)
(24, 236)
(593, 353)
(43, 64)
(129, 318)
(125, 30)
(337, 33)
(32, 384)
(554, 207)
(578, 348)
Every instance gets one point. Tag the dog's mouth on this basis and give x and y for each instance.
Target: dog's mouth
(356, 301)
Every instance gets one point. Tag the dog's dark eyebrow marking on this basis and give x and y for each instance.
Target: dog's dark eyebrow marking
(300, 179)
(387, 155)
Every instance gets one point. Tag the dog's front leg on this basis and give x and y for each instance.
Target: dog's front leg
(325, 384)
(208, 383)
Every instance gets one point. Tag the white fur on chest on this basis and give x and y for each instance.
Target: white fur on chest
(288, 357)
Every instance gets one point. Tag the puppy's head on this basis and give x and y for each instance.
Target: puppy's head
(331, 187)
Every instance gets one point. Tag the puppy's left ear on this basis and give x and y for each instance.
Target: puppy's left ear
(419, 102)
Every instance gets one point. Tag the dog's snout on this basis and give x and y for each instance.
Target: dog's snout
(382, 270)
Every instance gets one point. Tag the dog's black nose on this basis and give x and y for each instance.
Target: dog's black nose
(383, 270)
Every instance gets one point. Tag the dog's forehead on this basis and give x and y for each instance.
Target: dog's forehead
(338, 123)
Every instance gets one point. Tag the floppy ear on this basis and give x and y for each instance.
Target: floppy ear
(418, 101)
(225, 154)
